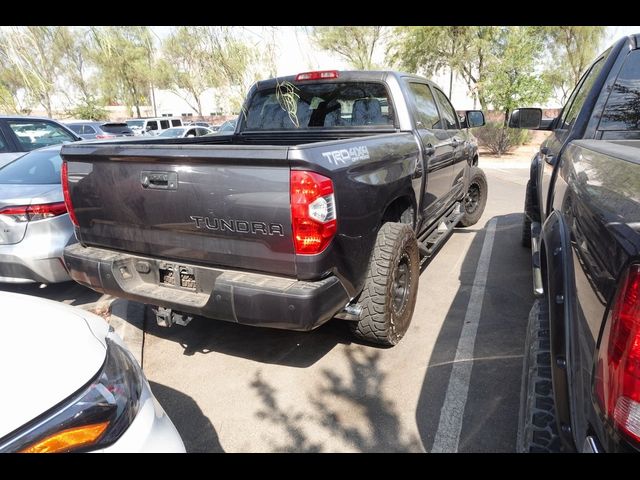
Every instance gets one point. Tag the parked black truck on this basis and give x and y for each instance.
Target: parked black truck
(582, 219)
(322, 204)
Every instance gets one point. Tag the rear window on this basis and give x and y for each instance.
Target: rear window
(35, 168)
(115, 128)
(76, 128)
(320, 105)
(623, 106)
(39, 133)
(176, 123)
(164, 124)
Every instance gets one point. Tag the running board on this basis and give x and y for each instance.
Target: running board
(536, 267)
(431, 239)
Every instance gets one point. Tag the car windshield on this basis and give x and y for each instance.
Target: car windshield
(40, 167)
(313, 105)
(172, 132)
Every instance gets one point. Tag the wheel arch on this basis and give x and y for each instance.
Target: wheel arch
(559, 286)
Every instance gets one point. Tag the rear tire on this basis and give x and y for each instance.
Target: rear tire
(389, 295)
(476, 198)
(538, 430)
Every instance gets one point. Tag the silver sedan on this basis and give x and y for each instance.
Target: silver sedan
(34, 224)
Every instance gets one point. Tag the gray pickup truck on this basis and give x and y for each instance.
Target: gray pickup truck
(581, 385)
(323, 203)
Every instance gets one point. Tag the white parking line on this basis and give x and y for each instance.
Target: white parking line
(450, 424)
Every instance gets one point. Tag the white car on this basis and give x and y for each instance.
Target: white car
(184, 132)
(70, 385)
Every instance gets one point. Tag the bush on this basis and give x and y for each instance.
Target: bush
(498, 140)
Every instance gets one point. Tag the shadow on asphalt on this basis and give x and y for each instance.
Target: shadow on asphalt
(491, 413)
(76, 293)
(363, 391)
(264, 345)
(194, 427)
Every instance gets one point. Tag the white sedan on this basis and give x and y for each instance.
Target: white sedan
(70, 385)
(183, 132)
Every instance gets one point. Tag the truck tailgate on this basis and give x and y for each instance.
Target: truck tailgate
(217, 205)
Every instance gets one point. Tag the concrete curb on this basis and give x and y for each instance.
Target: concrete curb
(126, 318)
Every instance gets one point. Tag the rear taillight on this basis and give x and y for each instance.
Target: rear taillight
(104, 136)
(617, 382)
(313, 211)
(65, 193)
(27, 213)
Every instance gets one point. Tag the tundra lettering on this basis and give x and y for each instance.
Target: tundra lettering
(240, 226)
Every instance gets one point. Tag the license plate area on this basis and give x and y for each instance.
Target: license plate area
(175, 275)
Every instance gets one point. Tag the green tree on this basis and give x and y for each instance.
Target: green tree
(33, 56)
(76, 65)
(89, 109)
(512, 79)
(571, 50)
(355, 44)
(464, 50)
(123, 57)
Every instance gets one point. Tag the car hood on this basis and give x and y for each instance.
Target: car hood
(48, 351)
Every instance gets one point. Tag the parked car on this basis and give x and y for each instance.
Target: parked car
(182, 132)
(201, 124)
(100, 130)
(582, 221)
(288, 223)
(153, 126)
(69, 384)
(34, 224)
(23, 134)
(227, 127)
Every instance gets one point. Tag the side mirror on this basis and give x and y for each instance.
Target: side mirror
(529, 118)
(475, 118)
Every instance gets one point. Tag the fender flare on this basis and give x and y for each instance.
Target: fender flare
(557, 262)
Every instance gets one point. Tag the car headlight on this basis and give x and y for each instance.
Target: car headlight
(95, 417)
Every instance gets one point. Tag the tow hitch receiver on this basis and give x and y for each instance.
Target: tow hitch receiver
(166, 317)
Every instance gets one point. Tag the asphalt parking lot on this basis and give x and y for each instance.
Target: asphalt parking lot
(452, 384)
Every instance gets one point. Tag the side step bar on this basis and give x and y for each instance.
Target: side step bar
(536, 266)
(431, 239)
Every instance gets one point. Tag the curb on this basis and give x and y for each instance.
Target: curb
(126, 318)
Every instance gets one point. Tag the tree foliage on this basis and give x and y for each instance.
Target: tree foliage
(511, 79)
(571, 50)
(356, 45)
(196, 58)
(124, 57)
(32, 59)
(466, 50)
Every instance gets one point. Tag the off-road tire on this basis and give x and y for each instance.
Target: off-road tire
(386, 314)
(473, 210)
(537, 430)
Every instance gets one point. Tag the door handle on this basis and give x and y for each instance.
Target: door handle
(429, 150)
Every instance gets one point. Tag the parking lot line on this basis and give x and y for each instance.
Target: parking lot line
(450, 424)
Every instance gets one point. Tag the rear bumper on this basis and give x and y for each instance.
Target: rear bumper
(240, 297)
(37, 258)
